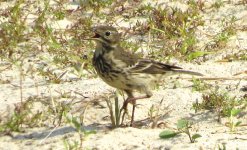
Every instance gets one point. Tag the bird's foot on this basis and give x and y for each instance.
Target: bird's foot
(125, 111)
(125, 107)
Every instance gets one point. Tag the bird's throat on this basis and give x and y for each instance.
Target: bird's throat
(103, 48)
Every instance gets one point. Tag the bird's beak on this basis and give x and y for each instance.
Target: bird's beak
(95, 37)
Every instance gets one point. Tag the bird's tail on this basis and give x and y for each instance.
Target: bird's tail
(188, 72)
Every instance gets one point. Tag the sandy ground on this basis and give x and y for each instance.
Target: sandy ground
(180, 100)
(177, 104)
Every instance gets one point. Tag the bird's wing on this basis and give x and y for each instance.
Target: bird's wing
(134, 64)
(126, 57)
(151, 67)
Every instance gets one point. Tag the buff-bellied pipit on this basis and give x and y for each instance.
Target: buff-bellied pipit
(126, 71)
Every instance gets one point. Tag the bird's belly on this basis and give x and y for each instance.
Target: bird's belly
(138, 82)
(147, 80)
(118, 81)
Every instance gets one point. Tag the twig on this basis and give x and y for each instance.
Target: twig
(21, 81)
(48, 134)
(109, 104)
(219, 78)
(80, 94)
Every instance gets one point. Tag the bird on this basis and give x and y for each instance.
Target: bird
(126, 71)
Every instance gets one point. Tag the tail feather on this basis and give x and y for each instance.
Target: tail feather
(189, 72)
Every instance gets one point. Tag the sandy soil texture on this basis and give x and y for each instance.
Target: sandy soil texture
(88, 93)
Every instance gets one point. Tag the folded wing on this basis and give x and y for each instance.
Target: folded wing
(151, 67)
(154, 67)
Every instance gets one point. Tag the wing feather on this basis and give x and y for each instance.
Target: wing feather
(151, 67)
(134, 64)
(126, 57)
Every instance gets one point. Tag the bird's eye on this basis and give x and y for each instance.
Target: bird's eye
(107, 33)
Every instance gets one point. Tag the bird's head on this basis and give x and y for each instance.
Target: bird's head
(106, 35)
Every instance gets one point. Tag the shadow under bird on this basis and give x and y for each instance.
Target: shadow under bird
(125, 71)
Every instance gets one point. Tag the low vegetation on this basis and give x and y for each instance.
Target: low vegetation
(34, 43)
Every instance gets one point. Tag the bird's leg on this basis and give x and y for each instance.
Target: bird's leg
(124, 107)
(131, 99)
(133, 114)
(125, 104)
(125, 111)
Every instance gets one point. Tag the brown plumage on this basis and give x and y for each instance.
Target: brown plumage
(126, 71)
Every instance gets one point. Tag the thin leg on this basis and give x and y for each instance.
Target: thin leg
(125, 111)
(133, 101)
(133, 115)
(125, 104)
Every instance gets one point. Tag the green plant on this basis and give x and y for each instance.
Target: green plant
(222, 146)
(153, 114)
(196, 54)
(199, 85)
(83, 133)
(177, 27)
(74, 145)
(232, 123)
(223, 104)
(228, 29)
(214, 101)
(35, 112)
(183, 126)
(51, 76)
(115, 112)
(240, 55)
(21, 117)
(218, 4)
(156, 113)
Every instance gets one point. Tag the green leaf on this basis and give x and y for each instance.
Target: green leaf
(167, 134)
(237, 123)
(59, 15)
(75, 123)
(196, 54)
(235, 112)
(89, 132)
(156, 29)
(195, 136)
(182, 123)
(55, 45)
